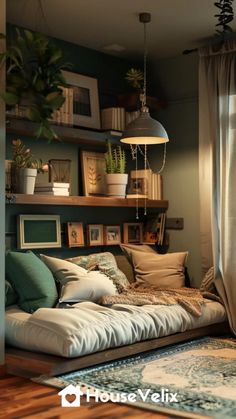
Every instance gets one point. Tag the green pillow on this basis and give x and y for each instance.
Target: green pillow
(33, 281)
(11, 296)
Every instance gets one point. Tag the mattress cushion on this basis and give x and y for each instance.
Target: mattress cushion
(86, 327)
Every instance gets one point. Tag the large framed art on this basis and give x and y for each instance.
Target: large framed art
(86, 112)
(38, 231)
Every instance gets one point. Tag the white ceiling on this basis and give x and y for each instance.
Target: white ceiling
(176, 24)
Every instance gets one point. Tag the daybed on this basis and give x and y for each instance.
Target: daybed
(55, 340)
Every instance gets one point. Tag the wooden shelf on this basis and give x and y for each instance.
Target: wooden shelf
(24, 127)
(90, 201)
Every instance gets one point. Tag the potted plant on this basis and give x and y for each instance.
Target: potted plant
(116, 177)
(24, 168)
(131, 101)
(34, 78)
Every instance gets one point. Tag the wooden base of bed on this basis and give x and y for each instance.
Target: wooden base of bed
(31, 364)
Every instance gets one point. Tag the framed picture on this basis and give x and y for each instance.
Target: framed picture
(141, 182)
(95, 234)
(38, 231)
(93, 173)
(75, 234)
(112, 235)
(86, 112)
(133, 232)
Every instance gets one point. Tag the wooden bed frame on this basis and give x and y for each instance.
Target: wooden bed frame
(32, 364)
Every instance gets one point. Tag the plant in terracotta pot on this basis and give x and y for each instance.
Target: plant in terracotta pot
(116, 177)
(34, 78)
(25, 168)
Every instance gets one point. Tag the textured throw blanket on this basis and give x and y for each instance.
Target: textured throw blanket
(191, 299)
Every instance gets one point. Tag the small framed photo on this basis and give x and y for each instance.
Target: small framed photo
(75, 234)
(93, 173)
(112, 235)
(38, 231)
(86, 112)
(95, 234)
(133, 232)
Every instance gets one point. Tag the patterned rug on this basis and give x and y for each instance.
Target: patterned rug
(201, 374)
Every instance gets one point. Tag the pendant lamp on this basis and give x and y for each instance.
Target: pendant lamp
(144, 130)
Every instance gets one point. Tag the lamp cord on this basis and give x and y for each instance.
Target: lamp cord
(144, 99)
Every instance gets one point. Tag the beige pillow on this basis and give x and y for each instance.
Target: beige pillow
(77, 283)
(90, 287)
(162, 271)
(129, 248)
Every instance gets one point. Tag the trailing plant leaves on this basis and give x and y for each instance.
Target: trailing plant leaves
(34, 76)
(10, 98)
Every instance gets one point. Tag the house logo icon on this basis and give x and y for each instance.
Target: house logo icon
(70, 396)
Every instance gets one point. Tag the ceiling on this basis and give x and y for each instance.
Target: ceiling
(176, 24)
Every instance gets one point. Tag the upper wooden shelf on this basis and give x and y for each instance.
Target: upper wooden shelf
(65, 133)
(90, 201)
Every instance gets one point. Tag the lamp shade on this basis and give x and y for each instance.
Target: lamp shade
(144, 130)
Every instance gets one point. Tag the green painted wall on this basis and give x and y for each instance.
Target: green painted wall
(178, 78)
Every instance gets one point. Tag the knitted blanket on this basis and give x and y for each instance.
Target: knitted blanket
(191, 299)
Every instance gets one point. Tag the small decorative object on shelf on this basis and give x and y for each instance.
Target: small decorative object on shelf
(112, 235)
(24, 168)
(113, 119)
(133, 233)
(95, 234)
(93, 173)
(59, 170)
(116, 177)
(145, 183)
(75, 234)
(154, 229)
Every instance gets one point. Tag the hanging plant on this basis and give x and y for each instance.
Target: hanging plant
(225, 16)
(34, 78)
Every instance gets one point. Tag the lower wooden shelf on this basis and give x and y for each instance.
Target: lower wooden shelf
(90, 201)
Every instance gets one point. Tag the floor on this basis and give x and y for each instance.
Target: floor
(21, 398)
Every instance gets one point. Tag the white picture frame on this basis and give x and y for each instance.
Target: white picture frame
(86, 111)
(38, 231)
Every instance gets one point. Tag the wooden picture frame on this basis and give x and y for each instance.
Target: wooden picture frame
(86, 112)
(38, 231)
(112, 235)
(75, 234)
(95, 234)
(133, 233)
(93, 173)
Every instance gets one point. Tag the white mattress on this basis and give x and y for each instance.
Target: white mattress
(89, 328)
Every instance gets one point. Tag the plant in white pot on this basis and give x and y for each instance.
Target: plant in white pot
(116, 177)
(24, 168)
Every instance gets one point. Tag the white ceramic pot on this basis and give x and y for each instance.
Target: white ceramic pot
(116, 184)
(27, 179)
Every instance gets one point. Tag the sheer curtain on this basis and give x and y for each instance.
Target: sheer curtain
(217, 169)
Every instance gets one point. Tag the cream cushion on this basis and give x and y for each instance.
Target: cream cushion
(129, 248)
(78, 284)
(162, 271)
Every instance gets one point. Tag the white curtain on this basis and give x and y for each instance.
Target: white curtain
(217, 169)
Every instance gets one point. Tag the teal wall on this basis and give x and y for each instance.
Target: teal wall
(175, 81)
(178, 81)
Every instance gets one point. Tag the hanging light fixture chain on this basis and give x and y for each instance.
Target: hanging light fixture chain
(144, 100)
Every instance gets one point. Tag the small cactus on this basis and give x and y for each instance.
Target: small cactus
(115, 159)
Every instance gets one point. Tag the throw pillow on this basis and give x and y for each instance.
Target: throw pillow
(104, 262)
(89, 287)
(129, 248)
(162, 271)
(11, 296)
(208, 281)
(77, 283)
(32, 280)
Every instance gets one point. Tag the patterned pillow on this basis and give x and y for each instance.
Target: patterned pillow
(104, 262)
(208, 281)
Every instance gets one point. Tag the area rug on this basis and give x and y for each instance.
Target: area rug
(200, 373)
